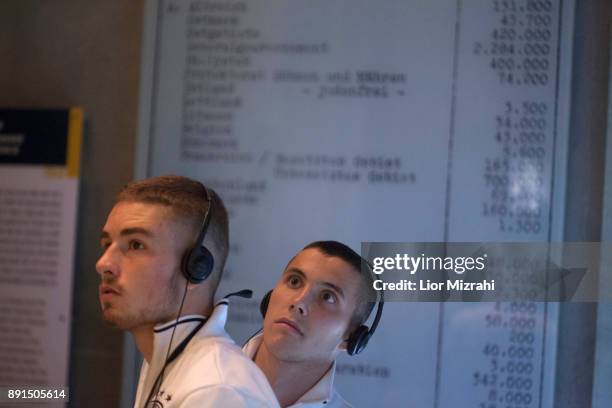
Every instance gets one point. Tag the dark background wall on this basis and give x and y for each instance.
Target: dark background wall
(82, 52)
(584, 194)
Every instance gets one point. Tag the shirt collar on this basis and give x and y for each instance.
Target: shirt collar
(214, 326)
(321, 393)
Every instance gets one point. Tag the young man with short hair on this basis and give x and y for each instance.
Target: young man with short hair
(321, 299)
(165, 244)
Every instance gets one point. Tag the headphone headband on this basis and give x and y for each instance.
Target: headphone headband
(380, 304)
(358, 340)
(204, 229)
(198, 262)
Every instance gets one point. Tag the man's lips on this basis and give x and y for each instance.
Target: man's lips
(293, 325)
(107, 291)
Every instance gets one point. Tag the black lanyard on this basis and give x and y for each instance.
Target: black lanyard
(177, 352)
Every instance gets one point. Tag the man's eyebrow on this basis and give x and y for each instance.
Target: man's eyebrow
(303, 275)
(135, 230)
(335, 287)
(294, 270)
(128, 231)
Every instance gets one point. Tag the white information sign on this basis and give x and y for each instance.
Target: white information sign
(375, 121)
(39, 167)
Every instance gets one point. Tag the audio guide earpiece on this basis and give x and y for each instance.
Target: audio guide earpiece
(198, 262)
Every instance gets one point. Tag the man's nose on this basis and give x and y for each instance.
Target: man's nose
(301, 303)
(107, 264)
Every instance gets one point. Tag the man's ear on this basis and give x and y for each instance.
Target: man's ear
(344, 345)
(347, 335)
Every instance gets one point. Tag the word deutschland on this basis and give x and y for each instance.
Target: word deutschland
(458, 285)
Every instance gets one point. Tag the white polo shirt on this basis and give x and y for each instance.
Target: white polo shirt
(211, 371)
(322, 394)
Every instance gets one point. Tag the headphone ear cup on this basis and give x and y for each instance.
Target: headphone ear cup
(198, 264)
(263, 306)
(358, 340)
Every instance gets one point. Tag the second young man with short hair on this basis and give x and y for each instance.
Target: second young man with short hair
(321, 298)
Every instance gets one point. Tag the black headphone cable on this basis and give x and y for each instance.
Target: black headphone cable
(160, 377)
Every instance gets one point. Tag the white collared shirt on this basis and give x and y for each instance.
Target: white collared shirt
(211, 371)
(322, 394)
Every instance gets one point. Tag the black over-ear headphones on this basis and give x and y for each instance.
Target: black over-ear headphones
(358, 340)
(198, 262)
